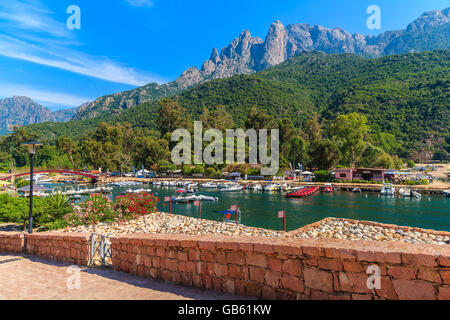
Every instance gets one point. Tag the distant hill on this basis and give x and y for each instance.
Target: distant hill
(407, 95)
(24, 111)
(247, 55)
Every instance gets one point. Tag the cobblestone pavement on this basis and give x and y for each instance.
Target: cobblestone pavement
(29, 278)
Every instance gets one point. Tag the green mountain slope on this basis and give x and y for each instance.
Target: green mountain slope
(407, 95)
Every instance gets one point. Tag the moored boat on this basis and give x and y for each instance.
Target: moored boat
(387, 189)
(404, 192)
(209, 185)
(303, 192)
(231, 188)
(328, 188)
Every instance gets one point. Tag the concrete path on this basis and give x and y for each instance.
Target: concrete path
(29, 278)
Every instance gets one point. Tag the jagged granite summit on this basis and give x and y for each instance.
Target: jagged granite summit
(247, 54)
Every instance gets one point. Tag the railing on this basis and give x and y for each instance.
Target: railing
(100, 250)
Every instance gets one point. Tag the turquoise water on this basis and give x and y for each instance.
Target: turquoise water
(260, 209)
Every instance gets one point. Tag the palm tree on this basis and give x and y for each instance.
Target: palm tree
(59, 205)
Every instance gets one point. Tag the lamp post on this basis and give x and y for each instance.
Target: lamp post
(32, 151)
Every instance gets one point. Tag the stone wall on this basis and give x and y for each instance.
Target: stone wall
(269, 268)
(12, 242)
(65, 247)
(288, 268)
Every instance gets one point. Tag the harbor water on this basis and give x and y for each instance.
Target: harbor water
(259, 209)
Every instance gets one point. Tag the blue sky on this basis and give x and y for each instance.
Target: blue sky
(123, 44)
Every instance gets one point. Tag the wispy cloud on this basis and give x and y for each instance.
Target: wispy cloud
(30, 15)
(29, 33)
(46, 98)
(72, 61)
(141, 3)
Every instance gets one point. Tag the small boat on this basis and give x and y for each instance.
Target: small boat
(415, 194)
(207, 198)
(304, 192)
(232, 188)
(209, 185)
(138, 190)
(447, 193)
(358, 190)
(184, 198)
(254, 187)
(387, 189)
(186, 191)
(404, 192)
(328, 188)
(271, 187)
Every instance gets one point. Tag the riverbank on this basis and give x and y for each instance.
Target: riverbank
(329, 228)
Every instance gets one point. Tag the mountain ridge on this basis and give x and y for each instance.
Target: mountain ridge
(21, 110)
(404, 95)
(247, 54)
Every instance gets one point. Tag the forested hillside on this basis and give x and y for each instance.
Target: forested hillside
(405, 95)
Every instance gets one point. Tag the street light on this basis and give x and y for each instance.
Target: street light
(32, 151)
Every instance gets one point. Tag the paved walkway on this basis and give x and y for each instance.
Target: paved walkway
(26, 278)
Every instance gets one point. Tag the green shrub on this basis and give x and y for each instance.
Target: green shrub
(411, 164)
(322, 176)
(210, 172)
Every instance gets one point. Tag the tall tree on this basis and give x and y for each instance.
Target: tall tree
(171, 116)
(68, 146)
(351, 132)
(258, 119)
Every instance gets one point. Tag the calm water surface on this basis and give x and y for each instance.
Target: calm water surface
(260, 209)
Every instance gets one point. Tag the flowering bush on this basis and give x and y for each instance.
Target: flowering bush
(97, 208)
(131, 206)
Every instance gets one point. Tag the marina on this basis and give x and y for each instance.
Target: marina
(259, 209)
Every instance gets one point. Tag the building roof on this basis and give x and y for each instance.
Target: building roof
(354, 169)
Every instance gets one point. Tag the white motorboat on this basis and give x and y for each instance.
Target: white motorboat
(404, 192)
(271, 187)
(447, 193)
(156, 183)
(415, 194)
(255, 187)
(207, 198)
(209, 185)
(184, 198)
(358, 190)
(232, 188)
(136, 191)
(387, 189)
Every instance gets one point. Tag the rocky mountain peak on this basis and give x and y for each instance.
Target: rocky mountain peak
(20, 110)
(430, 19)
(215, 56)
(247, 54)
(275, 46)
